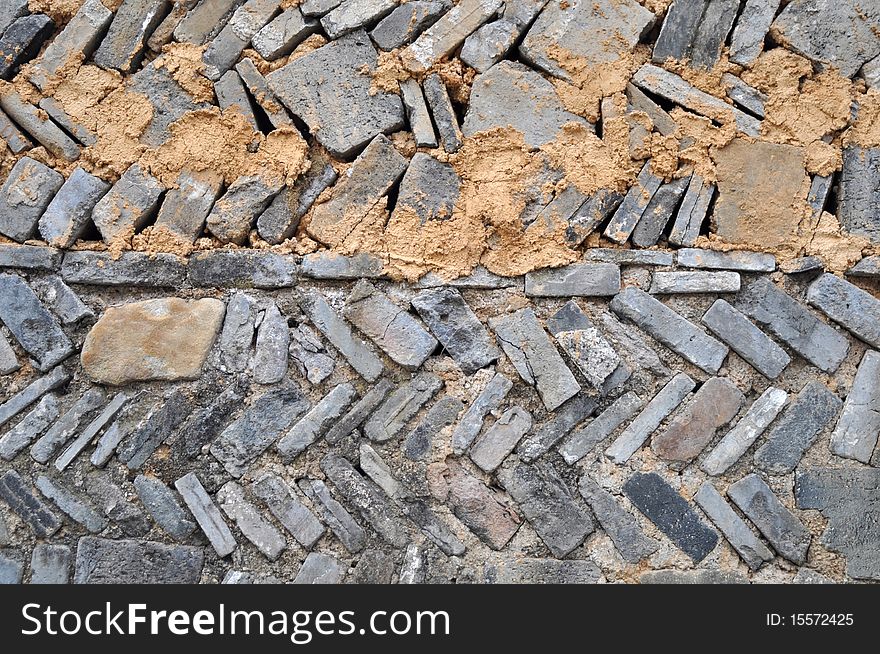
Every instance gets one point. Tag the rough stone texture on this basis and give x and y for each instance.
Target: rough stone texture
(429, 188)
(737, 532)
(248, 19)
(401, 406)
(317, 421)
(247, 518)
(493, 446)
(547, 571)
(237, 335)
(636, 201)
(579, 279)
(858, 427)
(621, 526)
(694, 282)
(270, 354)
(241, 269)
(21, 500)
(31, 393)
(320, 569)
(63, 301)
(163, 506)
(485, 47)
(350, 533)
(262, 94)
(445, 119)
(472, 421)
(740, 260)
(747, 40)
(798, 428)
(35, 329)
(282, 34)
(658, 212)
(581, 442)
(29, 257)
(417, 114)
(859, 198)
(166, 339)
(746, 339)
(169, 100)
(69, 211)
(236, 211)
(572, 413)
(786, 533)
(60, 432)
(442, 414)
(281, 218)
(130, 269)
(50, 564)
(29, 428)
(847, 304)
(159, 422)
(206, 513)
(406, 22)
(692, 212)
(123, 46)
(24, 197)
(204, 21)
(104, 561)
(586, 346)
(90, 431)
(71, 504)
(672, 514)
(288, 510)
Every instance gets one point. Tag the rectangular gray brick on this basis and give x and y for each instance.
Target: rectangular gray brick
(29, 257)
(60, 432)
(206, 513)
(359, 412)
(31, 393)
(104, 561)
(848, 305)
(744, 338)
(283, 33)
(692, 212)
(63, 301)
(629, 257)
(417, 114)
(90, 431)
(29, 427)
(27, 506)
(225, 49)
(56, 112)
(735, 530)
(161, 503)
(659, 212)
(620, 525)
(113, 501)
(582, 442)
(348, 16)
(418, 443)
(627, 216)
(288, 510)
(545, 436)
(204, 21)
(37, 123)
(316, 422)
(575, 280)
(235, 213)
(401, 406)
(320, 569)
(233, 96)
(129, 205)
(747, 40)
(330, 265)
(443, 113)
(241, 269)
(694, 282)
(247, 518)
(25, 194)
(69, 212)
(489, 399)
(262, 94)
(499, 440)
(346, 529)
(51, 564)
(741, 260)
(858, 427)
(75, 507)
(186, 207)
(282, 217)
(12, 136)
(159, 424)
(123, 47)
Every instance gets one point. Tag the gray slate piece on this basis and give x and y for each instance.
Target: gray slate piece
(637, 199)
(14, 139)
(444, 115)
(547, 503)
(27, 506)
(747, 97)
(204, 424)
(664, 282)
(51, 564)
(577, 279)
(457, 328)
(63, 301)
(340, 112)
(282, 34)
(90, 431)
(735, 530)
(204, 21)
(21, 42)
(848, 305)
(400, 335)
(288, 510)
(114, 503)
(233, 214)
(258, 427)
(317, 421)
(165, 30)
(359, 355)
(60, 432)
(24, 196)
(567, 417)
(320, 569)
(128, 206)
(35, 329)
(786, 533)
(232, 95)
(670, 329)
(747, 40)
(868, 267)
(417, 445)
(486, 47)
(848, 498)
(359, 412)
(794, 324)
(38, 125)
(281, 218)
(433, 527)
(620, 525)
(548, 571)
(130, 269)
(366, 499)
(330, 265)
(241, 269)
(638, 431)
(71, 504)
(237, 335)
(429, 188)
(406, 22)
(225, 49)
(629, 257)
(739, 439)
(798, 428)
(270, 353)
(671, 513)
(206, 513)
(586, 346)
(11, 570)
(695, 577)
(489, 399)
(346, 529)
(348, 16)
(56, 112)
(582, 442)
(68, 213)
(858, 427)
(744, 338)
(12, 10)
(170, 102)
(28, 428)
(259, 89)
(537, 361)
(162, 421)
(29, 257)
(817, 198)
(161, 503)
(493, 446)
(401, 407)
(123, 47)
(104, 561)
(658, 212)
(247, 518)
(692, 212)
(740, 260)
(8, 359)
(31, 393)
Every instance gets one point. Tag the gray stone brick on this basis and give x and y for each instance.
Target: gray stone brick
(50, 564)
(29, 257)
(130, 269)
(206, 513)
(310, 356)
(164, 32)
(270, 353)
(163, 506)
(401, 406)
(185, 208)
(417, 445)
(620, 525)
(444, 115)
(225, 49)
(412, 570)
(695, 282)
(695, 577)
(330, 265)
(232, 96)
(204, 21)
(242, 269)
(847, 304)
(35, 329)
(90, 431)
(740, 260)
(629, 257)
(60, 432)
(794, 324)
(288, 510)
(68, 213)
(27, 506)
(24, 197)
(406, 22)
(429, 188)
(567, 417)
(670, 329)
(797, 428)
(785, 532)
(12, 10)
(234, 214)
(480, 278)
(658, 213)
(578, 279)
(499, 440)
(204, 424)
(679, 30)
(282, 34)
(103, 561)
(739, 439)
(348, 17)
(349, 532)
(320, 569)
(63, 301)
(628, 214)
(582, 442)
(129, 205)
(638, 431)
(114, 503)
(525, 342)
(56, 112)
(735, 530)
(692, 212)
(359, 412)
(12, 136)
(317, 421)
(747, 40)
(746, 339)
(11, 570)
(868, 267)
(433, 527)
(21, 42)
(259, 89)
(29, 427)
(489, 44)
(161, 421)
(374, 567)
(31, 393)
(547, 571)
(123, 47)
(489, 399)
(855, 435)
(75, 507)
(237, 334)
(8, 359)
(170, 102)
(281, 218)
(247, 518)
(747, 97)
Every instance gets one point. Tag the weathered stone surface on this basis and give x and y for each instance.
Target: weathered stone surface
(699, 35)
(259, 426)
(330, 265)
(432, 526)
(282, 34)
(161, 421)
(225, 49)
(794, 324)
(785, 532)
(578, 279)
(490, 449)
(320, 569)
(486, 47)
(233, 215)
(29, 427)
(547, 571)
(535, 358)
(317, 421)
(27, 506)
(130, 269)
(672, 514)
(480, 278)
(630, 211)
(68, 213)
(206, 513)
(50, 564)
(418, 442)
(669, 328)
(71, 504)
(63, 301)
(713, 406)
(847, 304)
(444, 115)
(104, 561)
(232, 96)
(310, 356)
(401, 406)
(747, 97)
(621, 526)
(401, 336)
(247, 518)
(123, 47)
(170, 102)
(746, 339)
(374, 567)
(349, 532)
(21, 41)
(259, 89)
(735, 530)
(546, 502)
(165, 30)
(60, 432)
(696, 577)
(56, 112)
(8, 359)
(510, 93)
(114, 503)
(798, 428)
(867, 267)
(858, 427)
(329, 89)
(204, 424)
(241, 269)
(11, 570)
(359, 412)
(740, 260)
(739, 439)
(165, 339)
(24, 196)
(288, 510)
(472, 421)
(747, 40)
(629, 257)
(695, 282)
(582, 442)
(31, 393)
(448, 33)
(664, 403)
(692, 212)
(11, 11)
(658, 212)
(568, 416)
(90, 431)
(35, 329)
(457, 328)
(163, 506)
(429, 189)
(29, 257)
(850, 500)
(406, 22)
(12, 136)
(365, 498)
(204, 21)
(270, 353)
(348, 17)
(237, 335)
(281, 219)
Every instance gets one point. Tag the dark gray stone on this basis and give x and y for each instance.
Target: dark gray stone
(237, 210)
(226, 48)
(270, 352)
(31, 393)
(29, 257)
(694, 577)
(29, 427)
(433, 527)
(90, 431)
(401, 407)
(747, 40)
(692, 212)
(417, 445)
(67, 215)
(35, 329)
(310, 356)
(406, 22)
(12, 10)
(162, 421)
(163, 506)
(547, 571)
(320, 569)
(113, 502)
(348, 17)
(264, 536)
(204, 424)
(740, 260)
(128, 206)
(492, 447)
(50, 564)
(12, 136)
(71, 504)
(242, 269)
(103, 561)
(658, 212)
(417, 114)
(185, 208)
(746, 339)
(316, 422)
(288, 510)
(60, 432)
(747, 97)
(259, 89)
(567, 417)
(170, 102)
(848, 305)
(575, 280)
(232, 96)
(204, 21)
(349, 532)
(123, 47)
(489, 44)
(281, 219)
(429, 189)
(671, 282)
(130, 269)
(38, 124)
(56, 112)
(21, 41)
(629, 257)
(855, 435)
(24, 197)
(206, 513)
(444, 115)
(867, 267)
(330, 265)
(237, 334)
(63, 301)
(359, 412)
(582, 442)
(27, 506)
(374, 567)
(11, 570)
(282, 34)
(621, 526)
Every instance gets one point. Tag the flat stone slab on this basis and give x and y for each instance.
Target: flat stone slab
(317, 421)
(288, 510)
(206, 513)
(29, 257)
(29, 428)
(27, 506)
(579, 279)
(104, 561)
(241, 269)
(489, 399)
(320, 569)
(747, 39)
(740, 260)
(859, 198)
(344, 527)
(858, 427)
(620, 525)
(547, 571)
(51, 564)
(671, 513)
(746, 339)
(571, 414)
(493, 446)
(163, 506)
(401, 406)
(67, 215)
(31, 393)
(582, 442)
(785, 532)
(166, 339)
(250, 522)
(738, 534)
(24, 197)
(694, 282)
(130, 269)
(848, 305)
(591, 352)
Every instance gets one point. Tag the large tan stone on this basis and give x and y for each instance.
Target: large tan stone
(164, 339)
